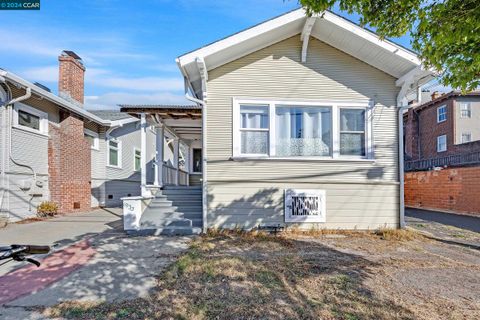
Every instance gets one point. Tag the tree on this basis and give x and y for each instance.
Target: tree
(444, 33)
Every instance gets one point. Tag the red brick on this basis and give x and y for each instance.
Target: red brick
(452, 189)
(69, 165)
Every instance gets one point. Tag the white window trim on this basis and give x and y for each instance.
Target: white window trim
(438, 113)
(469, 110)
(438, 143)
(135, 149)
(119, 148)
(96, 138)
(466, 133)
(42, 115)
(335, 107)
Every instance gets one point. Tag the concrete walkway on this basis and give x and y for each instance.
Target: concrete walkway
(452, 228)
(94, 261)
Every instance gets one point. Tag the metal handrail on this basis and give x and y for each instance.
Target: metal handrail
(447, 161)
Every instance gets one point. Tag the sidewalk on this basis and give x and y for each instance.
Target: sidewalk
(95, 261)
(61, 231)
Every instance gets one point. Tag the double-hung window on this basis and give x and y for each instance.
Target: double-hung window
(466, 137)
(465, 110)
(352, 132)
(442, 143)
(137, 159)
(115, 153)
(254, 129)
(288, 129)
(441, 113)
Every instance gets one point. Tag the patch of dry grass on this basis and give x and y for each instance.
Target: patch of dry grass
(250, 275)
(296, 275)
(398, 234)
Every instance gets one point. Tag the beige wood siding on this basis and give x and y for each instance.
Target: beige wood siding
(329, 74)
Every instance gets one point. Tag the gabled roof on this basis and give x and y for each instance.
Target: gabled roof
(63, 103)
(330, 28)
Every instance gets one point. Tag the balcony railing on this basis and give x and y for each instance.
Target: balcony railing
(448, 161)
(170, 176)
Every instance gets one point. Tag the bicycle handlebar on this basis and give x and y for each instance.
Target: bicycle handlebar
(37, 249)
(16, 250)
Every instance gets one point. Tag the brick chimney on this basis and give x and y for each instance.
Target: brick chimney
(71, 76)
(436, 95)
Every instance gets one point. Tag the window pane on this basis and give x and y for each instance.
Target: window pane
(137, 160)
(254, 142)
(352, 144)
(442, 113)
(90, 140)
(28, 120)
(303, 131)
(197, 160)
(254, 117)
(352, 120)
(113, 157)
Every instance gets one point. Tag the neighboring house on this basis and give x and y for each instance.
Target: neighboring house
(53, 149)
(116, 157)
(447, 125)
(300, 124)
(444, 134)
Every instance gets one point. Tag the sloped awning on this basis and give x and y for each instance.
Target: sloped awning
(185, 121)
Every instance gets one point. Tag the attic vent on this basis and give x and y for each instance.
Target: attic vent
(305, 205)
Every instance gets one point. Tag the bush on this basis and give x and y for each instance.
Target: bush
(47, 209)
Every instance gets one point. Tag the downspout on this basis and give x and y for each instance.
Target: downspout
(401, 165)
(9, 121)
(203, 104)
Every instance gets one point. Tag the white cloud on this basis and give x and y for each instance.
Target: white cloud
(113, 99)
(139, 84)
(41, 74)
(25, 44)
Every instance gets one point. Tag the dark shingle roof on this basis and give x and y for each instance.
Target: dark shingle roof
(159, 106)
(112, 115)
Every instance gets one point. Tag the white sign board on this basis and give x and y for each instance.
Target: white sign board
(306, 205)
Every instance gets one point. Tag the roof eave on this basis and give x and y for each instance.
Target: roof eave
(55, 99)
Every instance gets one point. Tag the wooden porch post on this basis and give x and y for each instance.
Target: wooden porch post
(175, 159)
(159, 155)
(143, 154)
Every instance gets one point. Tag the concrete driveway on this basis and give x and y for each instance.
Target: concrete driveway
(93, 261)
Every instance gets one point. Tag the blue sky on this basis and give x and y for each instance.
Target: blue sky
(128, 47)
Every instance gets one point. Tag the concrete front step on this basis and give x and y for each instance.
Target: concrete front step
(173, 211)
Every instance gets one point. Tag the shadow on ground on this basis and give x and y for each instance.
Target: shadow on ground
(249, 278)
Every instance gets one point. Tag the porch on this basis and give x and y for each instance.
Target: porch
(173, 203)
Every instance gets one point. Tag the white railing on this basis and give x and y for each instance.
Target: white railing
(169, 175)
(182, 178)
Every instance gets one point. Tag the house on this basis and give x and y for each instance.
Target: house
(446, 125)
(299, 125)
(53, 149)
(442, 149)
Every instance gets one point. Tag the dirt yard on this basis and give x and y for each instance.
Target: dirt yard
(391, 275)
